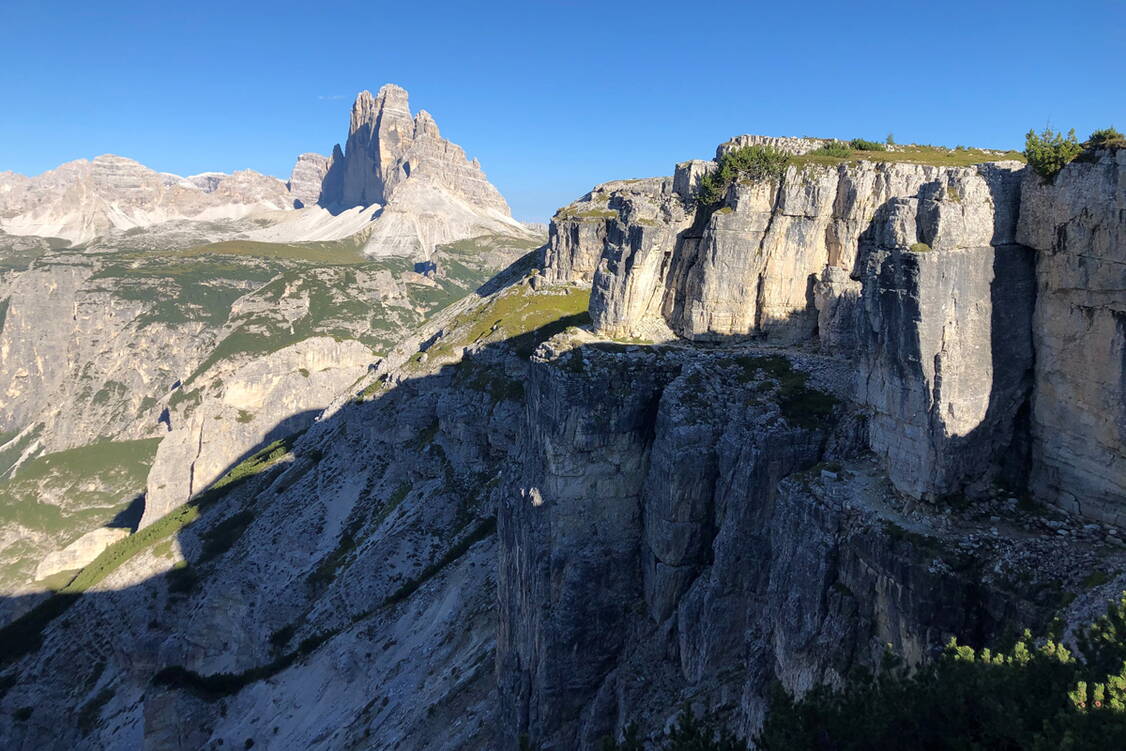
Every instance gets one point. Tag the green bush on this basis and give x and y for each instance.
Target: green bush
(747, 163)
(837, 149)
(1105, 138)
(1035, 696)
(861, 144)
(1048, 151)
(890, 140)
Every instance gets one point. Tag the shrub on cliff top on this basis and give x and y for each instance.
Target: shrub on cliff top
(836, 149)
(1105, 138)
(747, 163)
(1048, 151)
(861, 144)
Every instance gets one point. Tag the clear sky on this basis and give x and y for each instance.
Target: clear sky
(553, 97)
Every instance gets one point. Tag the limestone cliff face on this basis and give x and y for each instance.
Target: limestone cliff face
(749, 268)
(926, 276)
(1077, 224)
(944, 332)
(911, 269)
(387, 146)
(306, 180)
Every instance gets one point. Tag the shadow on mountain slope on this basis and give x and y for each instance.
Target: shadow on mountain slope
(370, 532)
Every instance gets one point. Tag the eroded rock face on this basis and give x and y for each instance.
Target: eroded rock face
(306, 181)
(750, 267)
(910, 268)
(945, 364)
(1077, 224)
(944, 332)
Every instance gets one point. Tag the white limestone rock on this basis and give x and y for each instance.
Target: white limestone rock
(81, 552)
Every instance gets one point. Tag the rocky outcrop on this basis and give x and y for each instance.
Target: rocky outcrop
(306, 180)
(786, 144)
(909, 268)
(79, 553)
(749, 268)
(32, 353)
(1077, 225)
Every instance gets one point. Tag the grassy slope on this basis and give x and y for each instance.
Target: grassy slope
(88, 486)
(937, 156)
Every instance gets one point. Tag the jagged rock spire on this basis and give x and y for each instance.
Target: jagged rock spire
(387, 146)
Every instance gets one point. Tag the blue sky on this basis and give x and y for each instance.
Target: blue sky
(553, 97)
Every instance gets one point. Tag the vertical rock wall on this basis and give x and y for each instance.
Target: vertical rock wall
(1077, 224)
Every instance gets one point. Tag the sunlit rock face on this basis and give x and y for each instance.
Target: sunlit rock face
(1077, 224)
(911, 269)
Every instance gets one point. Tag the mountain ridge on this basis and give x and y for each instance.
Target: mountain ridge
(442, 196)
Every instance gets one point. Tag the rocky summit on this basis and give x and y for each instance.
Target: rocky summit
(726, 439)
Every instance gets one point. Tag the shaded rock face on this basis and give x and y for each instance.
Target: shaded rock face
(668, 539)
(946, 364)
(1077, 224)
(944, 334)
(379, 493)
